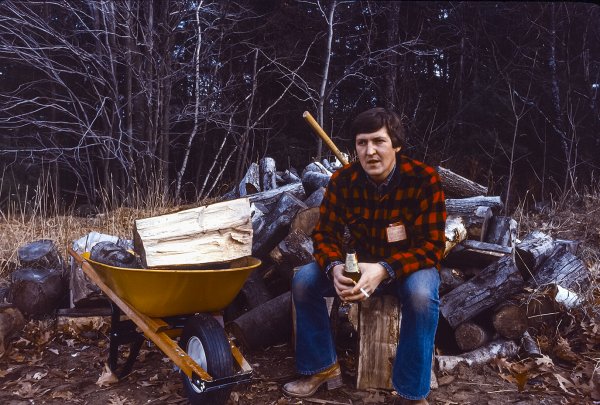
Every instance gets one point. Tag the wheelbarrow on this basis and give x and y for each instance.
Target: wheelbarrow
(164, 304)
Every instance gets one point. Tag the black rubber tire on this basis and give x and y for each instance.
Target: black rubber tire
(204, 329)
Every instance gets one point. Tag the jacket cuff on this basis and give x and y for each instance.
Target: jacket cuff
(390, 271)
(330, 266)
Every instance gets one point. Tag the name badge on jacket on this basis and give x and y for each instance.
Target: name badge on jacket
(396, 232)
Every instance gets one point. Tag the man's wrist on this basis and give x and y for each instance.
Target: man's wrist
(391, 273)
(330, 267)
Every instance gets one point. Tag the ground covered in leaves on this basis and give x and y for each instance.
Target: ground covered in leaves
(56, 362)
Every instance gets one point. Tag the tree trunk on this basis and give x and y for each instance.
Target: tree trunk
(295, 250)
(316, 198)
(497, 348)
(312, 181)
(270, 198)
(37, 291)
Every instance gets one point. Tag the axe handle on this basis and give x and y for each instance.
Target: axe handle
(319, 131)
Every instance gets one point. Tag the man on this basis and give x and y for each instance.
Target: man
(394, 208)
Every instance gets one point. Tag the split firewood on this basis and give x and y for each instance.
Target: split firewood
(562, 268)
(267, 174)
(265, 325)
(295, 250)
(475, 223)
(532, 251)
(466, 206)
(457, 186)
(209, 234)
(11, 323)
(570, 245)
(37, 291)
(470, 336)
(315, 199)
(497, 348)
(510, 320)
(501, 231)
(250, 183)
(475, 253)
(269, 198)
(450, 278)
(276, 224)
(455, 232)
(490, 287)
(567, 298)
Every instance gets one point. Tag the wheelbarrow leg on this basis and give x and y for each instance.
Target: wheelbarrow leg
(121, 333)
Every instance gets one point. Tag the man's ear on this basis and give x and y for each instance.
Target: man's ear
(397, 149)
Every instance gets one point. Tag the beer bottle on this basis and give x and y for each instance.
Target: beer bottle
(351, 270)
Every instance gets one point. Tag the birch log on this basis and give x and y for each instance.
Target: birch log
(458, 186)
(209, 234)
(466, 206)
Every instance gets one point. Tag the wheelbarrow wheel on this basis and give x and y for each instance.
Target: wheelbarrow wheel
(204, 340)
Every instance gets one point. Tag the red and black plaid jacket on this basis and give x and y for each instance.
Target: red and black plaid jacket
(413, 197)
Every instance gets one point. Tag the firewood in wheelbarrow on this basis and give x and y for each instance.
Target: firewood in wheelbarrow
(114, 255)
(37, 291)
(40, 254)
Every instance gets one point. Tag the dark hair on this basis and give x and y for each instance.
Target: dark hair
(376, 118)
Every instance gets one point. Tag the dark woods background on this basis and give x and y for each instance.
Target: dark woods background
(111, 102)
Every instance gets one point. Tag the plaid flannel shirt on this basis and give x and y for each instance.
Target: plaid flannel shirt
(413, 197)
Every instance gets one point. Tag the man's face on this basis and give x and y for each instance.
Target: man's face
(376, 154)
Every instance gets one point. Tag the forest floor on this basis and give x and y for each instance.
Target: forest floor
(53, 362)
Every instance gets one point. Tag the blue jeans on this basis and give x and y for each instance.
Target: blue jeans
(418, 294)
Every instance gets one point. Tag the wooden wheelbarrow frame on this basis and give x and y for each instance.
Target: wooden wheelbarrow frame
(161, 331)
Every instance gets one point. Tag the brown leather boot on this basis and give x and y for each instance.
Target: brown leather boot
(307, 386)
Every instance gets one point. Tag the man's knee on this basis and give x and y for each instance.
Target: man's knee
(421, 293)
(306, 280)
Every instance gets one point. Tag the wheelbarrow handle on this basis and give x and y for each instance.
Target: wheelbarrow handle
(78, 258)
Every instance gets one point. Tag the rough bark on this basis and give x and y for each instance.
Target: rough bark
(497, 348)
(312, 181)
(267, 174)
(265, 325)
(456, 186)
(315, 199)
(269, 198)
(564, 269)
(305, 220)
(450, 278)
(501, 231)
(466, 206)
(490, 287)
(37, 291)
(532, 251)
(276, 224)
(295, 250)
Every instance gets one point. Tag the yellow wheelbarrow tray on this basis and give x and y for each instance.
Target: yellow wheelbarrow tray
(159, 302)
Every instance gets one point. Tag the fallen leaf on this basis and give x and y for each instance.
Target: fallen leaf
(53, 351)
(445, 380)
(117, 400)
(564, 383)
(39, 375)
(68, 395)
(107, 377)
